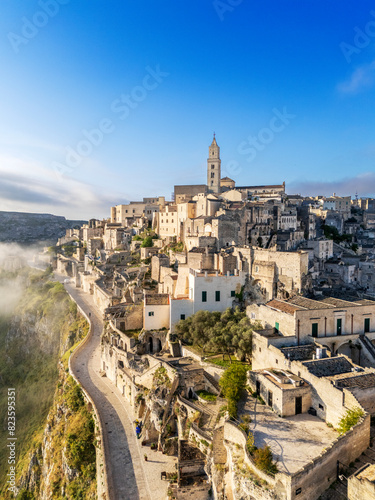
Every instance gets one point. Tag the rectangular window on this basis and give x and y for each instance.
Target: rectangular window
(338, 326)
(212, 166)
(232, 293)
(217, 296)
(277, 326)
(151, 313)
(212, 175)
(182, 316)
(367, 325)
(314, 329)
(204, 296)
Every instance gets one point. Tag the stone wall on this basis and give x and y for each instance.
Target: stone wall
(361, 488)
(317, 476)
(314, 478)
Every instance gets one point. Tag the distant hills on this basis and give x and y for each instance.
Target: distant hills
(23, 227)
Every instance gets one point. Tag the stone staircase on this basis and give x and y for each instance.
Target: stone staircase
(208, 418)
(338, 491)
(212, 381)
(368, 346)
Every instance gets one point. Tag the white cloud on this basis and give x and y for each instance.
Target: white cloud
(361, 78)
(363, 184)
(26, 185)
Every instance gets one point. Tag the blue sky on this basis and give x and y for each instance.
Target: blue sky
(190, 68)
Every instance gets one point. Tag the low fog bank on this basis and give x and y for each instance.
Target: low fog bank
(14, 257)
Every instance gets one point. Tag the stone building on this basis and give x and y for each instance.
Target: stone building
(156, 311)
(167, 225)
(337, 324)
(213, 167)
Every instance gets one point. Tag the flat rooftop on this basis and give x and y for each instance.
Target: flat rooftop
(367, 472)
(294, 441)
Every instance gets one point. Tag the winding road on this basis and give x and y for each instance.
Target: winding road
(129, 476)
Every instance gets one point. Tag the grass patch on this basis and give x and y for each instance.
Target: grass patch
(207, 396)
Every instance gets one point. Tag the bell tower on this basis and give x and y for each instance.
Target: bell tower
(213, 167)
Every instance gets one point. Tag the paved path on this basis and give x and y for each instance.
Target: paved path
(129, 476)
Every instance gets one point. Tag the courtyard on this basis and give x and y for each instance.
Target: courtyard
(294, 441)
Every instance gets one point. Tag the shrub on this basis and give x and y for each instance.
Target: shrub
(147, 242)
(349, 420)
(250, 443)
(264, 460)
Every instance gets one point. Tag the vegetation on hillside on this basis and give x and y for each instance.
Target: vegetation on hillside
(42, 326)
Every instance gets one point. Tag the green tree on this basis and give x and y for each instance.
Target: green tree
(147, 242)
(229, 332)
(232, 383)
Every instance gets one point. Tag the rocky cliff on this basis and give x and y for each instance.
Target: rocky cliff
(29, 228)
(55, 452)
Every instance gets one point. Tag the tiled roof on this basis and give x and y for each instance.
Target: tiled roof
(309, 303)
(338, 302)
(327, 367)
(283, 306)
(362, 381)
(299, 353)
(365, 302)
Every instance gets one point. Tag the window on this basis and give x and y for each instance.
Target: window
(338, 326)
(217, 296)
(151, 313)
(212, 167)
(182, 316)
(277, 361)
(232, 293)
(277, 326)
(314, 329)
(204, 296)
(256, 269)
(321, 407)
(367, 325)
(212, 175)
